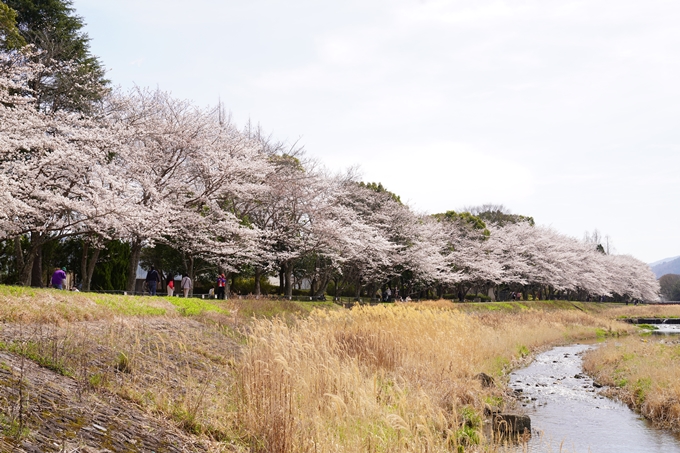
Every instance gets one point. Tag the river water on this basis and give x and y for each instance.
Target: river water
(568, 415)
(666, 329)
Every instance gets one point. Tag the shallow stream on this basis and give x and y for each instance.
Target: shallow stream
(568, 415)
(666, 329)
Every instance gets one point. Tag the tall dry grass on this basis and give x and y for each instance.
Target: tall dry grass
(646, 311)
(377, 379)
(644, 372)
(386, 379)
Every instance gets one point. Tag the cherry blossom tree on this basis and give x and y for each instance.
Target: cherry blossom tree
(54, 165)
(145, 167)
(185, 164)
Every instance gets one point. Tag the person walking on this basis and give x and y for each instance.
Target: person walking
(152, 279)
(221, 283)
(58, 278)
(171, 286)
(186, 284)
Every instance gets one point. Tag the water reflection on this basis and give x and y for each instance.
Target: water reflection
(568, 414)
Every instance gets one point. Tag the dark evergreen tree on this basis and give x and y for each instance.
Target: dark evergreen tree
(10, 38)
(73, 79)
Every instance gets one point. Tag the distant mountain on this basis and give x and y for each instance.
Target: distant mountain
(667, 266)
(665, 260)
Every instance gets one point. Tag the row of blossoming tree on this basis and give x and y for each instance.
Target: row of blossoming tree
(149, 170)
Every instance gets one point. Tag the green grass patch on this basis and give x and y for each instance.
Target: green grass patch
(17, 291)
(131, 305)
(11, 428)
(621, 382)
(33, 351)
(499, 365)
(522, 351)
(640, 390)
(195, 306)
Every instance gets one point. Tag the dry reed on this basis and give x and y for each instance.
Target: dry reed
(377, 379)
(386, 379)
(644, 372)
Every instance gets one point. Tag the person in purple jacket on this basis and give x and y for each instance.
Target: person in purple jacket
(58, 278)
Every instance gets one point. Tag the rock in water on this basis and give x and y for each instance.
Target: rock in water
(511, 423)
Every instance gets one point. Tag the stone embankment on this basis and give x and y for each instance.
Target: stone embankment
(49, 412)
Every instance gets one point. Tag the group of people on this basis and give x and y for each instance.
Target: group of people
(386, 295)
(221, 287)
(153, 279)
(58, 281)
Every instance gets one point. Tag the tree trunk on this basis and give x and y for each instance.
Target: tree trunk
(317, 280)
(18, 253)
(135, 252)
(192, 274)
(83, 265)
(373, 291)
(87, 280)
(25, 272)
(321, 291)
(323, 285)
(227, 284)
(282, 282)
(313, 286)
(288, 278)
(461, 293)
(258, 274)
(36, 271)
(34, 247)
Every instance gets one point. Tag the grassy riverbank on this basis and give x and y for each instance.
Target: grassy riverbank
(643, 371)
(264, 375)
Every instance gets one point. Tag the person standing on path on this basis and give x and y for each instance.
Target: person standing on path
(186, 284)
(152, 279)
(221, 282)
(58, 278)
(171, 285)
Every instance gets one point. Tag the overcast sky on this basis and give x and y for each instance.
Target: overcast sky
(563, 110)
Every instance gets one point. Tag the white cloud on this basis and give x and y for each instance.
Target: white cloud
(438, 177)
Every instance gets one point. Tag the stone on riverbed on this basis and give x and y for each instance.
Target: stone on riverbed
(511, 423)
(485, 379)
